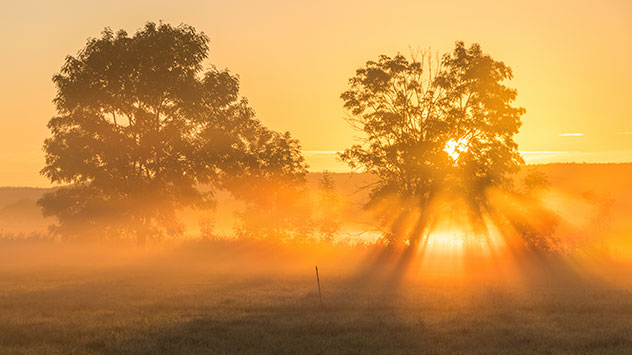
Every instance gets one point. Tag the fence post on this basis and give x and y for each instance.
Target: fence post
(320, 297)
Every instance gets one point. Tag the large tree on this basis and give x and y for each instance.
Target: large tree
(433, 127)
(141, 126)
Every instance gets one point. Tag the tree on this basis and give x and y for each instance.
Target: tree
(433, 128)
(141, 126)
(274, 191)
(329, 207)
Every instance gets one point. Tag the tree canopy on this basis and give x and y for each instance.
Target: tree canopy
(434, 127)
(141, 127)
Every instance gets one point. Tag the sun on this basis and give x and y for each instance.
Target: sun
(454, 147)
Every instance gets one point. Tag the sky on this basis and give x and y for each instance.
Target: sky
(570, 59)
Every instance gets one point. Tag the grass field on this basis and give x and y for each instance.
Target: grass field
(57, 304)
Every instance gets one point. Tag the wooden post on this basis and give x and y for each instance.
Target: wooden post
(320, 297)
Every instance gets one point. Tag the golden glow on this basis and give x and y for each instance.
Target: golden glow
(293, 79)
(454, 148)
(443, 262)
(446, 240)
(294, 59)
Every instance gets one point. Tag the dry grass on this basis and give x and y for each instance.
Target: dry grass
(183, 305)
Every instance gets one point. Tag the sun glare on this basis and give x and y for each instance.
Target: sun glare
(446, 240)
(454, 147)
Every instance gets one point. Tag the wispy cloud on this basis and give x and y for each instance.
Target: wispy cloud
(627, 133)
(322, 152)
(571, 134)
(543, 152)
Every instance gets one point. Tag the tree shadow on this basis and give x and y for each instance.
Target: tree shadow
(488, 320)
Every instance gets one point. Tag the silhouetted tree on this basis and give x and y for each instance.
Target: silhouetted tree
(525, 213)
(433, 127)
(141, 125)
(274, 191)
(329, 207)
(535, 179)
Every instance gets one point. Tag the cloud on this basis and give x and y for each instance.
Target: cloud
(571, 134)
(552, 156)
(321, 152)
(543, 152)
(627, 133)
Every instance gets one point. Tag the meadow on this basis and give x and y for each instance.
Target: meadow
(218, 299)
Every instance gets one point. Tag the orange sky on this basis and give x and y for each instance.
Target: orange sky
(571, 61)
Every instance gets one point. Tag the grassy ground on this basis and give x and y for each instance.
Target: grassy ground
(159, 307)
